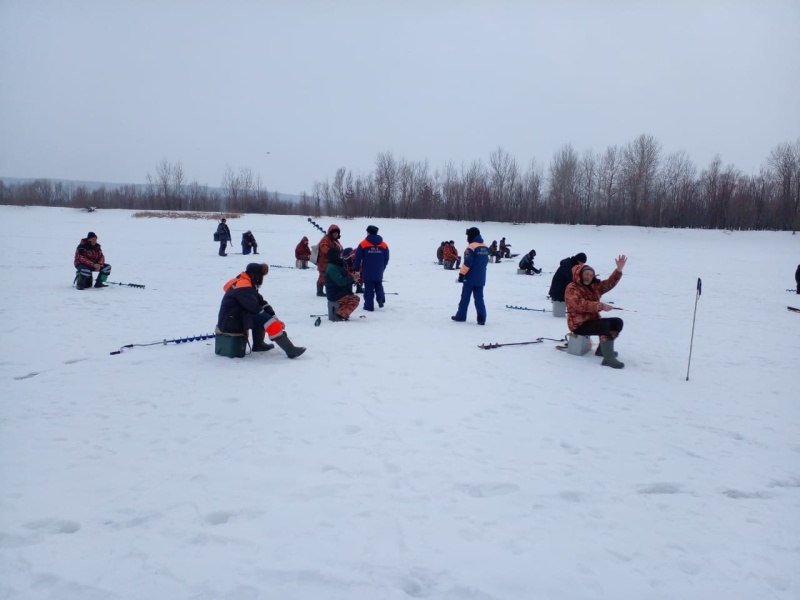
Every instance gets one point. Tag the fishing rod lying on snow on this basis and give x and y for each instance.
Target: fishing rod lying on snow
(195, 338)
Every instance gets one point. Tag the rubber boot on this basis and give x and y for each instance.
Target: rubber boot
(83, 282)
(609, 356)
(287, 346)
(258, 341)
(99, 283)
(599, 351)
(319, 290)
(359, 288)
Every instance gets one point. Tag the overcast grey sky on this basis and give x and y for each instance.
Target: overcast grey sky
(104, 90)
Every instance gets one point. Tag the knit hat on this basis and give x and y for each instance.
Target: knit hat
(580, 257)
(372, 230)
(254, 271)
(472, 233)
(91, 234)
(585, 268)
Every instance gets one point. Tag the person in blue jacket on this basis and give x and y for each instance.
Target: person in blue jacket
(372, 256)
(472, 276)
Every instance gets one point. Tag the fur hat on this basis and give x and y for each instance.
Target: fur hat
(580, 257)
(472, 233)
(372, 230)
(91, 234)
(254, 271)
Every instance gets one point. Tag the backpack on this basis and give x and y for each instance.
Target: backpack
(314, 254)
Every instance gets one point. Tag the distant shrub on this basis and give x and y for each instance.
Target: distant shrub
(169, 214)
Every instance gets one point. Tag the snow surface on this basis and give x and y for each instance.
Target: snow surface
(395, 459)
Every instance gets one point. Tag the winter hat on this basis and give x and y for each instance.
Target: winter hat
(585, 268)
(472, 233)
(264, 269)
(254, 271)
(91, 234)
(532, 252)
(333, 228)
(347, 253)
(580, 257)
(372, 230)
(334, 255)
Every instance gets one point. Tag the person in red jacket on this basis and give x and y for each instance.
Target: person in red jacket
(328, 241)
(451, 258)
(302, 253)
(583, 308)
(88, 258)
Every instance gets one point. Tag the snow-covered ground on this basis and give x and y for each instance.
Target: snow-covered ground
(395, 458)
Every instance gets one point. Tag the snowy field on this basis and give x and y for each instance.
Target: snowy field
(395, 459)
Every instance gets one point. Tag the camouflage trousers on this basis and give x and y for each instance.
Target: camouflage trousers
(347, 304)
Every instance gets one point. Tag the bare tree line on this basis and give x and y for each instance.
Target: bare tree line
(634, 184)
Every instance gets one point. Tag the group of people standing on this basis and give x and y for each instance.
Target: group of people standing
(340, 268)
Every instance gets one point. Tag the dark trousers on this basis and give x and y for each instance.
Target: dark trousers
(372, 290)
(605, 328)
(222, 245)
(467, 293)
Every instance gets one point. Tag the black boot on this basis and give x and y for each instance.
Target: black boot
(359, 288)
(258, 341)
(83, 282)
(287, 346)
(99, 283)
(319, 290)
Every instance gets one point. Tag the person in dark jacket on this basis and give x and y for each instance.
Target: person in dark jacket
(339, 285)
(563, 276)
(302, 254)
(244, 308)
(249, 243)
(797, 278)
(494, 252)
(88, 258)
(472, 276)
(583, 309)
(505, 249)
(526, 263)
(372, 256)
(224, 235)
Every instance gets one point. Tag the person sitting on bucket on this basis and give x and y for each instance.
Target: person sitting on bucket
(302, 254)
(526, 264)
(244, 308)
(88, 258)
(584, 306)
(505, 249)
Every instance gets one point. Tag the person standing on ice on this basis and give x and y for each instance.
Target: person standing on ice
(244, 308)
(372, 256)
(224, 236)
(472, 276)
(584, 306)
(329, 240)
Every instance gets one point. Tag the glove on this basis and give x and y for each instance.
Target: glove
(269, 310)
(460, 278)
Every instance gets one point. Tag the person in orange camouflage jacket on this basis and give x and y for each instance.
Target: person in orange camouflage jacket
(328, 241)
(88, 258)
(583, 308)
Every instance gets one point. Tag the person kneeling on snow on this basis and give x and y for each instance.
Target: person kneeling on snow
(339, 285)
(584, 306)
(244, 308)
(89, 257)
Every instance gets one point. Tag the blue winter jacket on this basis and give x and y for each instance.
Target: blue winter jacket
(476, 259)
(373, 255)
